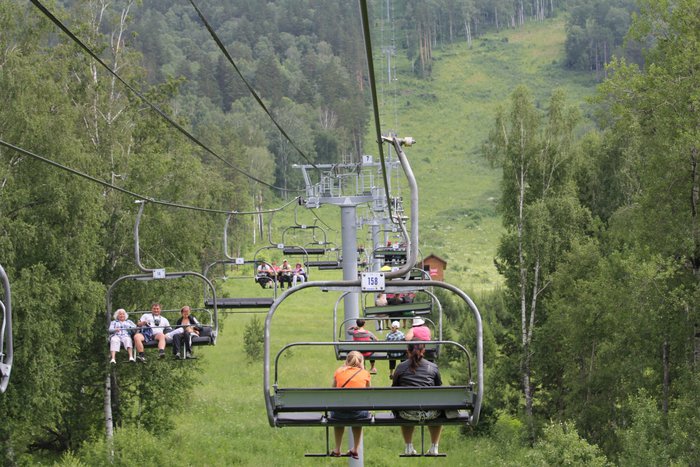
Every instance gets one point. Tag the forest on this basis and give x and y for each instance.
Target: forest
(593, 335)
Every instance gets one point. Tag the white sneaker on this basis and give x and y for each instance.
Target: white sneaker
(113, 361)
(410, 451)
(432, 452)
(132, 359)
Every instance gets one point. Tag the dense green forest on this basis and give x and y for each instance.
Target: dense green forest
(593, 338)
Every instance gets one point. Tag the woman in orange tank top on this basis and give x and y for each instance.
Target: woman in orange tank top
(351, 375)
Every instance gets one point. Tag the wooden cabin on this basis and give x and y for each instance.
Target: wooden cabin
(435, 266)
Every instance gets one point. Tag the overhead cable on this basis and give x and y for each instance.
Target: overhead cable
(250, 88)
(322, 222)
(375, 104)
(132, 193)
(143, 98)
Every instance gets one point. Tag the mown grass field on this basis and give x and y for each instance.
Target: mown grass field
(449, 115)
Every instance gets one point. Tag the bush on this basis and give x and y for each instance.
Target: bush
(562, 446)
(508, 430)
(644, 437)
(253, 338)
(131, 446)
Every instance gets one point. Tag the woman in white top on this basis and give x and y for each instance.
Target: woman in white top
(120, 335)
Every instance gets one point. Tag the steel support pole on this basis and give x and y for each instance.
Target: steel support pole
(348, 213)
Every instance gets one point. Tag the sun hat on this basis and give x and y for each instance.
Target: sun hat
(418, 321)
(395, 324)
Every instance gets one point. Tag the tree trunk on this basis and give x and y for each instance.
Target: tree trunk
(109, 427)
(605, 59)
(696, 347)
(525, 332)
(694, 200)
(468, 33)
(666, 377)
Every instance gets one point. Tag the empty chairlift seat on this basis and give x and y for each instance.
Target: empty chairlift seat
(402, 310)
(249, 302)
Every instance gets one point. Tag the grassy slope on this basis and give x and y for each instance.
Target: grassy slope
(449, 116)
(226, 423)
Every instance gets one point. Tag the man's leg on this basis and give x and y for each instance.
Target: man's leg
(138, 342)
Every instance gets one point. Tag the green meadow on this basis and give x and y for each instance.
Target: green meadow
(225, 422)
(450, 115)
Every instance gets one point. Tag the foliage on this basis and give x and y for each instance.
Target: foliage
(561, 445)
(615, 318)
(253, 339)
(540, 208)
(65, 239)
(129, 446)
(508, 430)
(595, 34)
(643, 436)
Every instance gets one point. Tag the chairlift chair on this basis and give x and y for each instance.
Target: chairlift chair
(294, 406)
(210, 329)
(6, 345)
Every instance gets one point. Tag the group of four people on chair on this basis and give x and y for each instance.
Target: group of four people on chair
(416, 370)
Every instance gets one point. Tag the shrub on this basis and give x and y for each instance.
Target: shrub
(131, 446)
(253, 339)
(561, 445)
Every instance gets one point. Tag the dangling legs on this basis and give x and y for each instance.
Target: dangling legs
(357, 437)
(407, 433)
(338, 432)
(434, 438)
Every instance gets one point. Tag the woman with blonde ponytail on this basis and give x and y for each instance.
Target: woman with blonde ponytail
(351, 375)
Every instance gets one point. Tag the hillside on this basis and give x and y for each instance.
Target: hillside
(450, 116)
(459, 222)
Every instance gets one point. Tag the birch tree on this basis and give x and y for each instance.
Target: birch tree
(540, 209)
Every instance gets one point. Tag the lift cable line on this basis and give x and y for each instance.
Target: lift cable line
(143, 98)
(322, 222)
(375, 104)
(132, 193)
(250, 88)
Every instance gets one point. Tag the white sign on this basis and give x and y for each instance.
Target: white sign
(159, 273)
(372, 281)
(240, 260)
(280, 246)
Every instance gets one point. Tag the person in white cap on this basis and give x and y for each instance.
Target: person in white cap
(394, 335)
(419, 331)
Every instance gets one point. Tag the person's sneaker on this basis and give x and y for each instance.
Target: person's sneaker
(132, 359)
(161, 354)
(113, 361)
(141, 358)
(373, 371)
(178, 357)
(410, 451)
(190, 355)
(432, 451)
